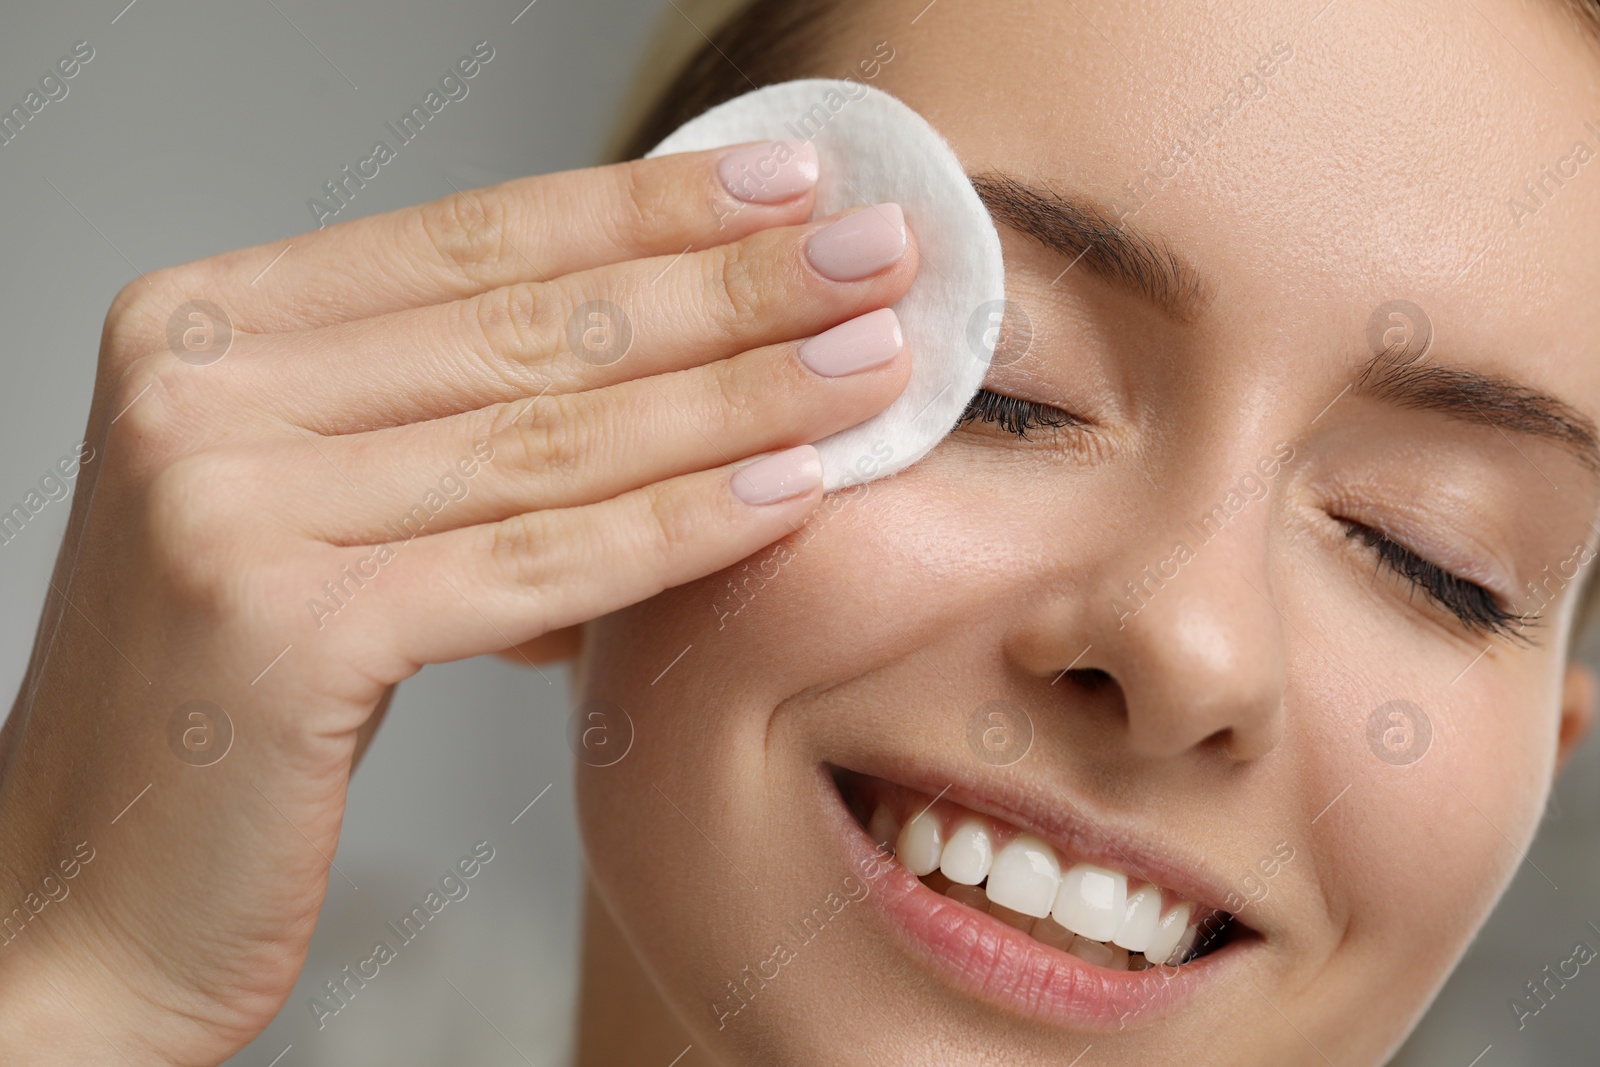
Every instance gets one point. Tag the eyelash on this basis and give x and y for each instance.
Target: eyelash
(1474, 605)
(1015, 416)
(1469, 602)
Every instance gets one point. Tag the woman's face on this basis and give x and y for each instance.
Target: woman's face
(1261, 613)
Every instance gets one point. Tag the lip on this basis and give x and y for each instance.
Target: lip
(993, 962)
(1074, 835)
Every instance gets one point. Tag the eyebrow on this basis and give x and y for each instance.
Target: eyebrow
(1146, 264)
(1080, 230)
(1399, 377)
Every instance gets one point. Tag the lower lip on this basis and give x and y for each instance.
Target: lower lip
(996, 963)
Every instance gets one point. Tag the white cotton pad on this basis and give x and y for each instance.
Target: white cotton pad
(874, 149)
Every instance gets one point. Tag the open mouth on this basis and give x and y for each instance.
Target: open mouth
(1117, 944)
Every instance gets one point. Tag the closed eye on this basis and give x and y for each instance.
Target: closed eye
(1015, 416)
(1479, 610)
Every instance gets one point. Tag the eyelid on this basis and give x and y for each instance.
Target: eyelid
(1454, 563)
(1016, 415)
(1413, 524)
(1493, 618)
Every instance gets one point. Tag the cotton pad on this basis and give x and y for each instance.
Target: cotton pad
(874, 149)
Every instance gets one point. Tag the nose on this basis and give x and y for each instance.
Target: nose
(1187, 635)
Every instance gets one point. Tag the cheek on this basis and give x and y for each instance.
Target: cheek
(698, 671)
(884, 573)
(876, 572)
(1438, 814)
(713, 792)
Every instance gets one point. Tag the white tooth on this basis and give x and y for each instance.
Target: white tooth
(1025, 876)
(884, 827)
(920, 843)
(968, 854)
(1091, 901)
(1091, 952)
(1119, 958)
(1140, 918)
(1191, 934)
(1168, 932)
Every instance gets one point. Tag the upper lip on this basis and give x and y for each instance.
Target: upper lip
(1065, 825)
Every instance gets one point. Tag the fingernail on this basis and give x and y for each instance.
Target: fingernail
(779, 476)
(769, 173)
(860, 244)
(860, 344)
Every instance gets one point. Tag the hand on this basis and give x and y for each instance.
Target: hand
(423, 440)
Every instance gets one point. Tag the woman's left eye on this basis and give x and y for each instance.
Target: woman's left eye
(1476, 607)
(1013, 415)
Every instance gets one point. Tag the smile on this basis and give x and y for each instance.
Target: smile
(1030, 922)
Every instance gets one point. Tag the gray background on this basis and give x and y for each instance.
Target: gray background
(198, 128)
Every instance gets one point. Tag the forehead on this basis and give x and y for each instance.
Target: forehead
(1313, 161)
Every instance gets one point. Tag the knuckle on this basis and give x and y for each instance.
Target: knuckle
(137, 318)
(190, 528)
(127, 313)
(668, 526)
(144, 406)
(500, 420)
(466, 231)
(734, 287)
(508, 321)
(646, 206)
(547, 440)
(517, 547)
(736, 403)
(168, 309)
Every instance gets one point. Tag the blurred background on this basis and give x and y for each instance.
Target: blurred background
(201, 127)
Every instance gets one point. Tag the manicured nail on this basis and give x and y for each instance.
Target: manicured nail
(860, 244)
(769, 173)
(860, 344)
(779, 476)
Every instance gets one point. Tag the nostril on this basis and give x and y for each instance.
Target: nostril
(1088, 679)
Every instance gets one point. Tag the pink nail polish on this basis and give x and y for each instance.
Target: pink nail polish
(864, 342)
(769, 173)
(779, 476)
(860, 244)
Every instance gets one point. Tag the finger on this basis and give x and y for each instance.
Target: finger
(664, 314)
(484, 588)
(529, 228)
(581, 448)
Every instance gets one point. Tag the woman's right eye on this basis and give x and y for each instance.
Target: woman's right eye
(1015, 416)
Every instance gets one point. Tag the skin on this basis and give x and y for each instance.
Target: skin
(1228, 714)
(217, 500)
(1223, 718)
